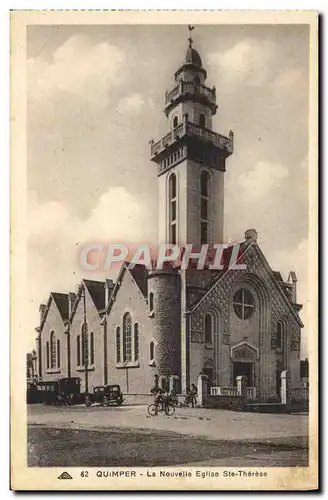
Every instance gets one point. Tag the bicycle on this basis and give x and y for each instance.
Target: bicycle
(155, 408)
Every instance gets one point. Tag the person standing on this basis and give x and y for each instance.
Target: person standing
(193, 394)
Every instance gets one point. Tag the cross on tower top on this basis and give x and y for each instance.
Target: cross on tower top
(190, 28)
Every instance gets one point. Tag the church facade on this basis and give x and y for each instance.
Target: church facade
(176, 323)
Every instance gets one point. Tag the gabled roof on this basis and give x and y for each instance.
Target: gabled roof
(97, 292)
(61, 301)
(139, 275)
(274, 274)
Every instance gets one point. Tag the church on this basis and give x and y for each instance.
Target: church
(175, 323)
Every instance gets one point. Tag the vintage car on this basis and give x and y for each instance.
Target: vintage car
(65, 391)
(105, 395)
(33, 395)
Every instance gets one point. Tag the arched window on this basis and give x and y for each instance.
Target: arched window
(127, 340)
(85, 345)
(175, 121)
(58, 353)
(118, 344)
(136, 342)
(202, 120)
(209, 329)
(197, 80)
(204, 204)
(280, 335)
(151, 302)
(48, 356)
(52, 350)
(78, 350)
(173, 209)
(92, 349)
(151, 351)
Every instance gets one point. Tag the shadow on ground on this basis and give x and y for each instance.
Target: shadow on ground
(49, 447)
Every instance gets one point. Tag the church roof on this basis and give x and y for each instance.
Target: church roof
(97, 292)
(61, 301)
(140, 275)
(192, 57)
(244, 248)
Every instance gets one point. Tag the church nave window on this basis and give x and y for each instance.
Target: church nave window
(58, 353)
(92, 349)
(118, 344)
(85, 345)
(127, 337)
(48, 355)
(175, 121)
(204, 213)
(53, 356)
(243, 303)
(78, 350)
(136, 342)
(173, 209)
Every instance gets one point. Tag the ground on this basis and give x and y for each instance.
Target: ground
(127, 436)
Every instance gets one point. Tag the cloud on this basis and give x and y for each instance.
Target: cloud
(56, 238)
(260, 181)
(288, 79)
(77, 67)
(248, 61)
(46, 218)
(134, 103)
(117, 215)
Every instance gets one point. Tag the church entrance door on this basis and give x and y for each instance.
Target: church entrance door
(245, 369)
(210, 374)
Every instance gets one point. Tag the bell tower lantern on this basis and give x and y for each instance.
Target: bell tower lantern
(191, 159)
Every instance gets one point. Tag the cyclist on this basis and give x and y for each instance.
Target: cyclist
(160, 398)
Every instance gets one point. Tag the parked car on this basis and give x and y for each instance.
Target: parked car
(32, 394)
(105, 395)
(65, 391)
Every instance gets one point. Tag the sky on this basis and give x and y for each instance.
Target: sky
(95, 97)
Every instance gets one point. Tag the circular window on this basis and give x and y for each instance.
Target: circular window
(243, 303)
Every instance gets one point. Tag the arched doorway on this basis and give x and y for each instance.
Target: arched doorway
(244, 357)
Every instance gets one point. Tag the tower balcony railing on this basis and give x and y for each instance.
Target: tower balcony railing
(187, 128)
(184, 88)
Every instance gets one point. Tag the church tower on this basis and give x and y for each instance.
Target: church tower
(191, 160)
